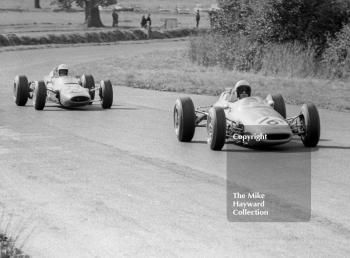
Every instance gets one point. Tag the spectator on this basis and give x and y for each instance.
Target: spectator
(143, 22)
(149, 20)
(149, 27)
(115, 18)
(198, 17)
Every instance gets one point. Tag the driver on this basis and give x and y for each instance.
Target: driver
(62, 70)
(241, 90)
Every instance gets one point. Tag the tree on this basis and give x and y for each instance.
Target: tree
(37, 4)
(92, 13)
(307, 20)
(237, 16)
(336, 57)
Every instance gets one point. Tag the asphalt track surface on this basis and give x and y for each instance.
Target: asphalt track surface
(116, 183)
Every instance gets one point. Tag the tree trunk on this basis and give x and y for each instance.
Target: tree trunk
(85, 3)
(92, 14)
(37, 4)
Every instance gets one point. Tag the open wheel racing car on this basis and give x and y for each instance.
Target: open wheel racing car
(239, 121)
(67, 91)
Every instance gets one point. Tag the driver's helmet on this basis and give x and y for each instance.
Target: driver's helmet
(62, 70)
(242, 89)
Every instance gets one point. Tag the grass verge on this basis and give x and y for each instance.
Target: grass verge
(8, 249)
(93, 37)
(173, 71)
(9, 244)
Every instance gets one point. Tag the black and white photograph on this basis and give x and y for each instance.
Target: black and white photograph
(174, 128)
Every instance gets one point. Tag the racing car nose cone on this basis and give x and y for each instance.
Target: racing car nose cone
(75, 98)
(80, 99)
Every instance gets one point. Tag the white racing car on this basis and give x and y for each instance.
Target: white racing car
(246, 120)
(60, 88)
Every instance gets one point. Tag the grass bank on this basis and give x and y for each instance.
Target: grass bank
(289, 59)
(93, 37)
(173, 71)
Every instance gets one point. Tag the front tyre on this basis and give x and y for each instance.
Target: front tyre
(279, 105)
(39, 95)
(311, 123)
(20, 90)
(88, 82)
(216, 127)
(184, 119)
(106, 94)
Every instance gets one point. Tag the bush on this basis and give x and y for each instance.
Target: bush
(13, 39)
(236, 53)
(204, 50)
(241, 54)
(306, 21)
(140, 34)
(236, 16)
(4, 41)
(289, 59)
(336, 58)
(295, 38)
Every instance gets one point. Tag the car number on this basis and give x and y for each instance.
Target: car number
(272, 121)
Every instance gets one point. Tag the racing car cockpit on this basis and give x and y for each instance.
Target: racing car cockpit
(241, 90)
(62, 70)
(59, 71)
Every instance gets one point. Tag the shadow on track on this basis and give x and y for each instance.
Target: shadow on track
(333, 147)
(199, 142)
(295, 146)
(89, 108)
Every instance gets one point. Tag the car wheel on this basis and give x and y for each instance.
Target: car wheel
(39, 95)
(88, 82)
(184, 119)
(106, 94)
(310, 120)
(279, 105)
(20, 90)
(216, 127)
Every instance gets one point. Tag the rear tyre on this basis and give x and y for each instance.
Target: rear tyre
(216, 127)
(88, 82)
(279, 105)
(20, 90)
(184, 119)
(39, 96)
(106, 94)
(311, 121)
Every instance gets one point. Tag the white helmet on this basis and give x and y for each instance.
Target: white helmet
(242, 89)
(62, 70)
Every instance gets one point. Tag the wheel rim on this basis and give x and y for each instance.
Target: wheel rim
(34, 96)
(210, 129)
(176, 121)
(14, 91)
(302, 122)
(101, 94)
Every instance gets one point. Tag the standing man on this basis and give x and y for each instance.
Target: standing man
(143, 22)
(198, 17)
(149, 28)
(115, 17)
(148, 20)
